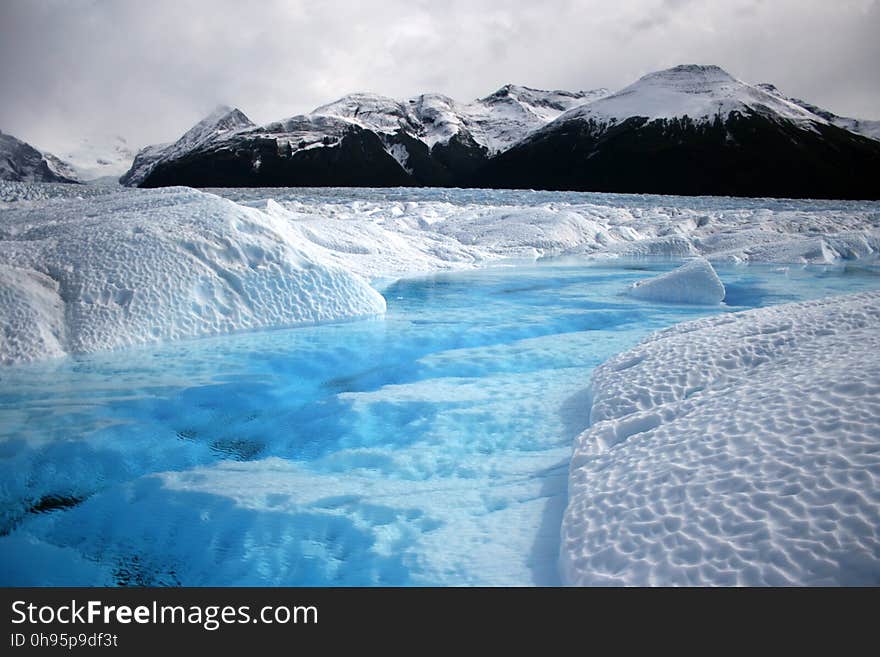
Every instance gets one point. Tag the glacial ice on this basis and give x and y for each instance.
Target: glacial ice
(739, 449)
(126, 268)
(135, 266)
(694, 282)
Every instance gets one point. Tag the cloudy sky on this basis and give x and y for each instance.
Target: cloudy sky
(148, 70)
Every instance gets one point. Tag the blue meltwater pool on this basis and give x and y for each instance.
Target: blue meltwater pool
(426, 447)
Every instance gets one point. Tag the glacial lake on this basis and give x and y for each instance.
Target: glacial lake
(429, 446)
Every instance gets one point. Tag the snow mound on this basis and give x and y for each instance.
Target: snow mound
(694, 282)
(128, 268)
(740, 449)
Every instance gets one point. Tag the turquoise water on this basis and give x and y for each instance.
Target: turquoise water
(429, 446)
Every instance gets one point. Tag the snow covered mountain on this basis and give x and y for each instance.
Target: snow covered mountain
(222, 123)
(21, 162)
(687, 130)
(864, 127)
(495, 122)
(500, 120)
(692, 130)
(360, 139)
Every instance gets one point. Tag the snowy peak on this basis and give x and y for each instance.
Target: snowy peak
(372, 111)
(699, 92)
(222, 123)
(556, 100)
(494, 122)
(222, 120)
(503, 118)
(692, 130)
(440, 116)
(690, 78)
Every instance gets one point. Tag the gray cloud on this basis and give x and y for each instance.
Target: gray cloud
(148, 70)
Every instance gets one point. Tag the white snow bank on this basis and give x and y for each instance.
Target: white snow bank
(127, 268)
(694, 282)
(737, 449)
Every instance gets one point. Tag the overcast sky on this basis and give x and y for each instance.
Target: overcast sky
(148, 69)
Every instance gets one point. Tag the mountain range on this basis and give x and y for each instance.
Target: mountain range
(691, 129)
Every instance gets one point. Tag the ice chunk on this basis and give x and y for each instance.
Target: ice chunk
(695, 282)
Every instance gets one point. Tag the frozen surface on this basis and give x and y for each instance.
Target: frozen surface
(135, 265)
(694, 282)
(122, 269)
(738, 449)
(397, 231)
(431, 444)
(427, 446)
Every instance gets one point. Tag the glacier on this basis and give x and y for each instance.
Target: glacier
(89, 268)
(734, 448)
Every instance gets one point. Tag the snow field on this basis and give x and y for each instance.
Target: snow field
(740, 449)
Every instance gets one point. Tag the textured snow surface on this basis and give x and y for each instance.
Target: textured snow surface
(738, 449)
(694, 282)
(121, 269)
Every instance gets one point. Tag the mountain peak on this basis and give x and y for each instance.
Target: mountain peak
(700, 92)
(370, 110)
(515, 92)
(221, 120)
(690, 78)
